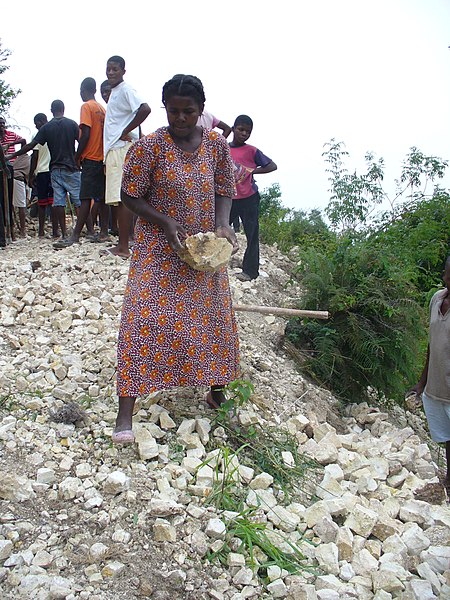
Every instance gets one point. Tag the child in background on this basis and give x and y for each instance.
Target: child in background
(248, 161)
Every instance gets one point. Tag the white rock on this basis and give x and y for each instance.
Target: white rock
(438, 558)
(327, 594)
(235, 560)
(426, 572)
(261, 481)
(326, 529)
(83, 470)
(422, 590)
(113, 569)
(116, 483)
(283, 519)
(166, 421)
(327, 555)
(416, 511)
(98, 552)
(216, 529)
(415, 540)
(187, 426)
(46, 476)
(163, 531)
(361, 520)
(164, 508)
(277, 589)
(70, 488)
(6, 547)
(42, 558)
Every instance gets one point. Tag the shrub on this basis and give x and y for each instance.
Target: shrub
(371, 343)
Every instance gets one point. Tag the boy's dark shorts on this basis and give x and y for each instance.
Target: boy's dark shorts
(92, 180)
(44, 189)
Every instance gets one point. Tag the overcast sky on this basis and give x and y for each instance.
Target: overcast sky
(375, 75)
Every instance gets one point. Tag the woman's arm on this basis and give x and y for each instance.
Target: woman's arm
(174, 231)
(223, 229)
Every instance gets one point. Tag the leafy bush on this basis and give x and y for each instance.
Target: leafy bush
(371, 342)
(286, 227)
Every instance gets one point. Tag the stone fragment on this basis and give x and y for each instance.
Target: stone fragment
(235, 560)
(216, 529)
(327, 555)
(163, 531)
(344, 542)
(113, 569)
(277, 589)
(206, 252)
(164, 508)
(422, 590)
(46, 476)
(98, 552)
(437, 557)
(116, 483)
(6, 547)
(386, 581)
(326, 529)
(42, 558)
(361, 520)
(166, 421)
(261, 481)
(415, 540)
(70, 488)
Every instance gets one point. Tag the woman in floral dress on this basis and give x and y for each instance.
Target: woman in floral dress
(177, 326)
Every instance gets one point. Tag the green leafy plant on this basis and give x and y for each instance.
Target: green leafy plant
(254, 534)
(370, 344)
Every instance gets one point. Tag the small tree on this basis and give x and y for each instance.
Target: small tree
(7, 93)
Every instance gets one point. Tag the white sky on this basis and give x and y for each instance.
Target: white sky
(375, 75)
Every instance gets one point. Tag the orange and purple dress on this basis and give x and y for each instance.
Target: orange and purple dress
(177, 326)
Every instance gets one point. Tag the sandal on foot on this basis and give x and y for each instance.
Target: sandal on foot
(123, 437)
(109, 252)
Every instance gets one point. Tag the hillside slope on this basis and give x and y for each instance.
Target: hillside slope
(82, 519)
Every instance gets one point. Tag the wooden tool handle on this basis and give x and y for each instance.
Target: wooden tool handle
(282, 312)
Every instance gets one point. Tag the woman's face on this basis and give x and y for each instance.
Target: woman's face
(182, 113)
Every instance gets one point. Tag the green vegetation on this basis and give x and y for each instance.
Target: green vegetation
(7, 94)
(374, 273)
(259, 448)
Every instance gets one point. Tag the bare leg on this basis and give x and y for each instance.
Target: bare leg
(82, 217)
(60, 215)
(215, 397)
(103, 210)
(94, 213)
(55, 226)
(124, 221)
(22, 222)
(125, 414)
(41, 220)
(114, 219)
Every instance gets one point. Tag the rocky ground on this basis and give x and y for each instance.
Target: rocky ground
(80, 518)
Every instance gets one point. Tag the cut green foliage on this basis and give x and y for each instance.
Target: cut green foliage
(254, 535)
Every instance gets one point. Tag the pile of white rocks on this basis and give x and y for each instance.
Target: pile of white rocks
(80, 518)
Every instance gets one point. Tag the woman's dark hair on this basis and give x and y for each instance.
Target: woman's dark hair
(184, 85)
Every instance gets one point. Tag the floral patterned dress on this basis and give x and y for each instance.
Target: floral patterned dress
(177, 326)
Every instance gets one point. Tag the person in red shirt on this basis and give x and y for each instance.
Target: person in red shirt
(248, 161)
(8, 140)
